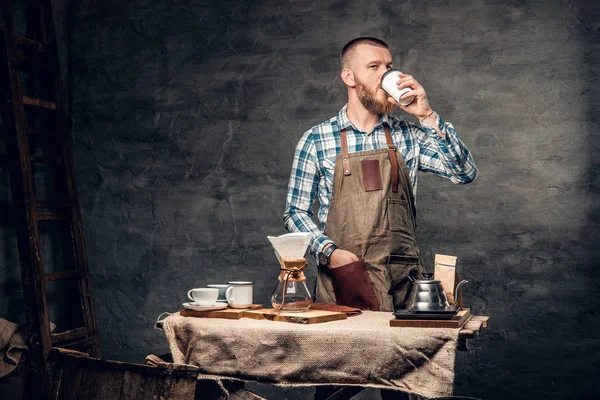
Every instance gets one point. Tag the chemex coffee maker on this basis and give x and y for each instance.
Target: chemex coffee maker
(291, 293)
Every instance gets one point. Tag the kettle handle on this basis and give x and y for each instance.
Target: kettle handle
(398, 284)
(456, 291)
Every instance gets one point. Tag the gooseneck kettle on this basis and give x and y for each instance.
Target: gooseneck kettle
(427, 295)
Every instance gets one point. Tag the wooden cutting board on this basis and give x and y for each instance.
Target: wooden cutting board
(307, 317)
(456, 321)
(227, 313)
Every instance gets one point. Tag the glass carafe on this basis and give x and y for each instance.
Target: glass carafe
(291, 293)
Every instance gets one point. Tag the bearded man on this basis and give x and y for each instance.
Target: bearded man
(362, 167)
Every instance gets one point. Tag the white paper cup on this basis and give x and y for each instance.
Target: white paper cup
(239, 294)
(388, 83)
(203, 296)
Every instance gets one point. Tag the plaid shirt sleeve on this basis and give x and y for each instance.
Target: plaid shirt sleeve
(301, 193)
(447, 157)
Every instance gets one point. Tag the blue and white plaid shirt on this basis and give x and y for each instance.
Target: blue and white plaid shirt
(314, 161)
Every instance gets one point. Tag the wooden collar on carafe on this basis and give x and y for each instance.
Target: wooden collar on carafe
(291, 270)
(391, 152)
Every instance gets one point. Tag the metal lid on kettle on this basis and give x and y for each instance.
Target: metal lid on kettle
(427, 279)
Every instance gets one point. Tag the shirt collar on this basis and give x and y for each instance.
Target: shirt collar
(344, 122)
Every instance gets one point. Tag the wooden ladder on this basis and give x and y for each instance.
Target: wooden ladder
(37, 136)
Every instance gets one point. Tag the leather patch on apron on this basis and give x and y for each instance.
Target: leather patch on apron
(371, 175)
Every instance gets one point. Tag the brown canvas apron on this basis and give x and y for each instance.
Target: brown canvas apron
(373, 215)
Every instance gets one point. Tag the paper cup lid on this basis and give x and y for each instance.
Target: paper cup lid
(388, 72)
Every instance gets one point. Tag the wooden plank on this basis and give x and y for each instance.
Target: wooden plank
(455, 322)
(71, 274)
(84, 345)
(307, 317)
(131, 385)
(227, 313)
(471, 329)
(483, 318)
(69, 382)
(47, 216)
(30, 101)
(109, 384)
(149, 388)
(69, 336)
(24, 42)
(181, 388)
(99, 383)
(64, 351)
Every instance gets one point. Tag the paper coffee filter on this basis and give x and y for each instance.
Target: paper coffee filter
(291, 246)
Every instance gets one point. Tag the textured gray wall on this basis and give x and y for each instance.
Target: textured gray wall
(186, 115)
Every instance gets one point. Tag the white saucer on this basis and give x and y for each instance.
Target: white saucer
(211, 307)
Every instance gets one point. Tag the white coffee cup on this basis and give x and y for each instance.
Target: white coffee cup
(239, 294)
(203, 296)
(388, 83)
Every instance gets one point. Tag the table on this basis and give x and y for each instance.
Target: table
(359, 351)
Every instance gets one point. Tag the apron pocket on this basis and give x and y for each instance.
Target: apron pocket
(352, 286)
(397, 213)
(399, 267)
(371, 175)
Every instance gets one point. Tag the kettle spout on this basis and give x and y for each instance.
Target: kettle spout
(456, 291)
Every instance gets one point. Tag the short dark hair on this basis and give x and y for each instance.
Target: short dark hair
(355, 42)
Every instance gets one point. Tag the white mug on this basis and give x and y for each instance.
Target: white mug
(222, 289)
(239, 294)
(203, 296)
(388, 83)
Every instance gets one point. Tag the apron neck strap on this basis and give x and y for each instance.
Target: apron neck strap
(393, 159)
(345, 161)
(391, 152)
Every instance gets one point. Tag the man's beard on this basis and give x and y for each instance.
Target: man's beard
(370, 101)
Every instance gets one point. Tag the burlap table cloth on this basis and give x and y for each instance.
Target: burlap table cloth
(362, 350)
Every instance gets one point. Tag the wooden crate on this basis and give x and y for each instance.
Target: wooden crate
(74, 375)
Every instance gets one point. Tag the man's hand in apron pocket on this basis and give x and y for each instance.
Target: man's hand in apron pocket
(340, 258)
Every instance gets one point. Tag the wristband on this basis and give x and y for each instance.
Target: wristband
(427, 117)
